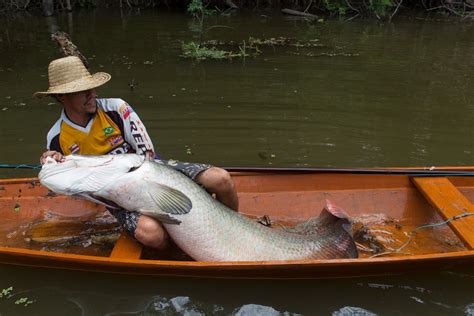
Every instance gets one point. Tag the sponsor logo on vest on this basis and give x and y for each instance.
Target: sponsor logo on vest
(74, 148)
(108, 130)
(141, 145)
(122, 149)
(125, 111)
(115, 140)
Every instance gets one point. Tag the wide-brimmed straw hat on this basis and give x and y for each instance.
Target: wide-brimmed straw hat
(68, 74)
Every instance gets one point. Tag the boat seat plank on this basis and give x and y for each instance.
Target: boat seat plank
(449, 201)
(126, 248)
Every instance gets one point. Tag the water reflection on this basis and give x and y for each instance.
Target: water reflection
(404, 100)
(80, 293)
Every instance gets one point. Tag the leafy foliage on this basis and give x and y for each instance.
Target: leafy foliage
(86, 4)
(343, 7)
(336, 6)
(380, 7)
(197, 9)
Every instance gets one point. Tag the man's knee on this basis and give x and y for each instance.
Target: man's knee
(151, 233)
(219, 182)
(216, 180)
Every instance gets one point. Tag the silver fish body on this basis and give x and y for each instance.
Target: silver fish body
(201, 226)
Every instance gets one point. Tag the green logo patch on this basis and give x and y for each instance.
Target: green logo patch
(109, 130)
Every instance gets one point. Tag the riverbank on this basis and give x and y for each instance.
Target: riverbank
(377, 9)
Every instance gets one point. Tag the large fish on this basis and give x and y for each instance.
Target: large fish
(201, 226)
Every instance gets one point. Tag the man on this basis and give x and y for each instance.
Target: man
(91, 126)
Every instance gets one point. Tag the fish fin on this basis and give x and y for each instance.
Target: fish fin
(332, 210)
(167, 199)
(162, 217)
(332, 214)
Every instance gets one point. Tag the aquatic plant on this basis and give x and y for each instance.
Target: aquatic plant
(209, 50)
(199, 52)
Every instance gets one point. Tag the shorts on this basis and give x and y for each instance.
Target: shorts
(129, 219)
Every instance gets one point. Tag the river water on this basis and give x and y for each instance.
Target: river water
(373, 94)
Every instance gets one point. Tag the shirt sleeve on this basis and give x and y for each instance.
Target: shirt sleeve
(52, 139)
(134, 130)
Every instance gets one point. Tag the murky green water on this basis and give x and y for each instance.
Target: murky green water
(406, 99)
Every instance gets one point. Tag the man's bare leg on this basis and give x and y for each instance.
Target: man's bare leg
(219, 182)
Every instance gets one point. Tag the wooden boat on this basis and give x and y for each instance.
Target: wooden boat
(388, 208)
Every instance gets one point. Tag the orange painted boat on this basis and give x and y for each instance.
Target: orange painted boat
(388, 206)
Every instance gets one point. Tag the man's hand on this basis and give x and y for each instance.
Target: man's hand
(53, 154)
(149, 155)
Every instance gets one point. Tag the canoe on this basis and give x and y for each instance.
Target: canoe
(405, 220)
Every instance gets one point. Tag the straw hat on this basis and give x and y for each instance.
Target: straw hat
(68, 74)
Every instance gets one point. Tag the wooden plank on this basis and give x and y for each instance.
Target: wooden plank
(126, 248)
(449, 202)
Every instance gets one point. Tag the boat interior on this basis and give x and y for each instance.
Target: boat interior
(392, 215)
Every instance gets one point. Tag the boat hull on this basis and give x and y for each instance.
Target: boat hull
(287, 197)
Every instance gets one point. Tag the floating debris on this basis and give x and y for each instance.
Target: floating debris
(202, 52)
(325, 54)
(189, 151)
(24, 301)
(6, 292)
(252, 47)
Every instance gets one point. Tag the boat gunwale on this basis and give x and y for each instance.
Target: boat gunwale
(135, 263)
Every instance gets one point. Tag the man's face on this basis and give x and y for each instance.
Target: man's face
(80, 102)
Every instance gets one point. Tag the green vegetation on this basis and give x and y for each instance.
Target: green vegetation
(200, 52)
(212, 49)
(202, 8)
(86, 4)
(199, 10)
(379, 8)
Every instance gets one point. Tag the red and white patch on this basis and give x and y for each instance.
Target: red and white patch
(74, 148)
(126, 112)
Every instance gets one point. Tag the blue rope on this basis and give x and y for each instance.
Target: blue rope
(20, 166)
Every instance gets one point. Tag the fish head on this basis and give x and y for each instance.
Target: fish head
(79, 175)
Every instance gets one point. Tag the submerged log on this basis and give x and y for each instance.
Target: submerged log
(231, 5)
(48, 7)
(68, 5)
(299, 13)
(67, 47)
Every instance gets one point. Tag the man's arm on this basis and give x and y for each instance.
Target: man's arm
(134, 131)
